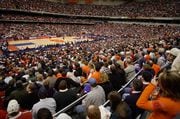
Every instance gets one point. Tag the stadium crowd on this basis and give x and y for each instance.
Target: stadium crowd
(43, 81)
(35, 84)
(43, 19)
(165, 8)
(12, 31)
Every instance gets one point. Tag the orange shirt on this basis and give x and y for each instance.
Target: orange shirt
(147, 57)
(96, 75)
(156, 68)
(86, 69)
(161, 108)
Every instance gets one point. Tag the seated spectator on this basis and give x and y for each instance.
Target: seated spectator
(167, 104)
(119, 108)
(131, 98)
(44, 113)
(70, 74)
(70, 82)
(146, 78)
(39, 79)
(155, 66)
(19, 94)
(44, 102)
(105, 83)
(96, 96)
(51, 78)
(64, 96)
(161, 59)
(174, 58)
(14, 112)
(93, 112)
(63, 116)
(50, 90)
(86, 68)
(32, 96)
(117, 77)
(96, 74)
(130, 69)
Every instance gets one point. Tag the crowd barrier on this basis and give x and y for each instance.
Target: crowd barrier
(81, 98)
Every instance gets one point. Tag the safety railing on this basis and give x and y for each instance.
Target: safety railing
(70, 106)
(79, 99)
(82, 97)
(124, 86)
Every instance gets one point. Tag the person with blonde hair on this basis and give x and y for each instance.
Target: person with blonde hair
(167, 104)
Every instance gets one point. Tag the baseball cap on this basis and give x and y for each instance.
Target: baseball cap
(174, 51)
(92, 81)
(13, 106)
(87, 88)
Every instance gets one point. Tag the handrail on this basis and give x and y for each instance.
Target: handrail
(79, 99)
(125, 85)
(70, 105)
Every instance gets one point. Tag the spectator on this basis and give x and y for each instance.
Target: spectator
(119, 108)
(173, 58)
(32, 96)
(93, 112)
(117, 77)
(14, 112)
(51, 79)
(19, 94)
(44, 102)
(168, 102)
(96, 96)
(96, 74)
(130, 69)
(132, 98)
(44, 113)
(63, 116)
(64, 96)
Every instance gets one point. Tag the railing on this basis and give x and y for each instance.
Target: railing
(79, 99)
(124, 86)
(70, 105)
(82, 97)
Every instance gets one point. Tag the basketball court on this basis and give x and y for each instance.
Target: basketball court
(23, 44)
